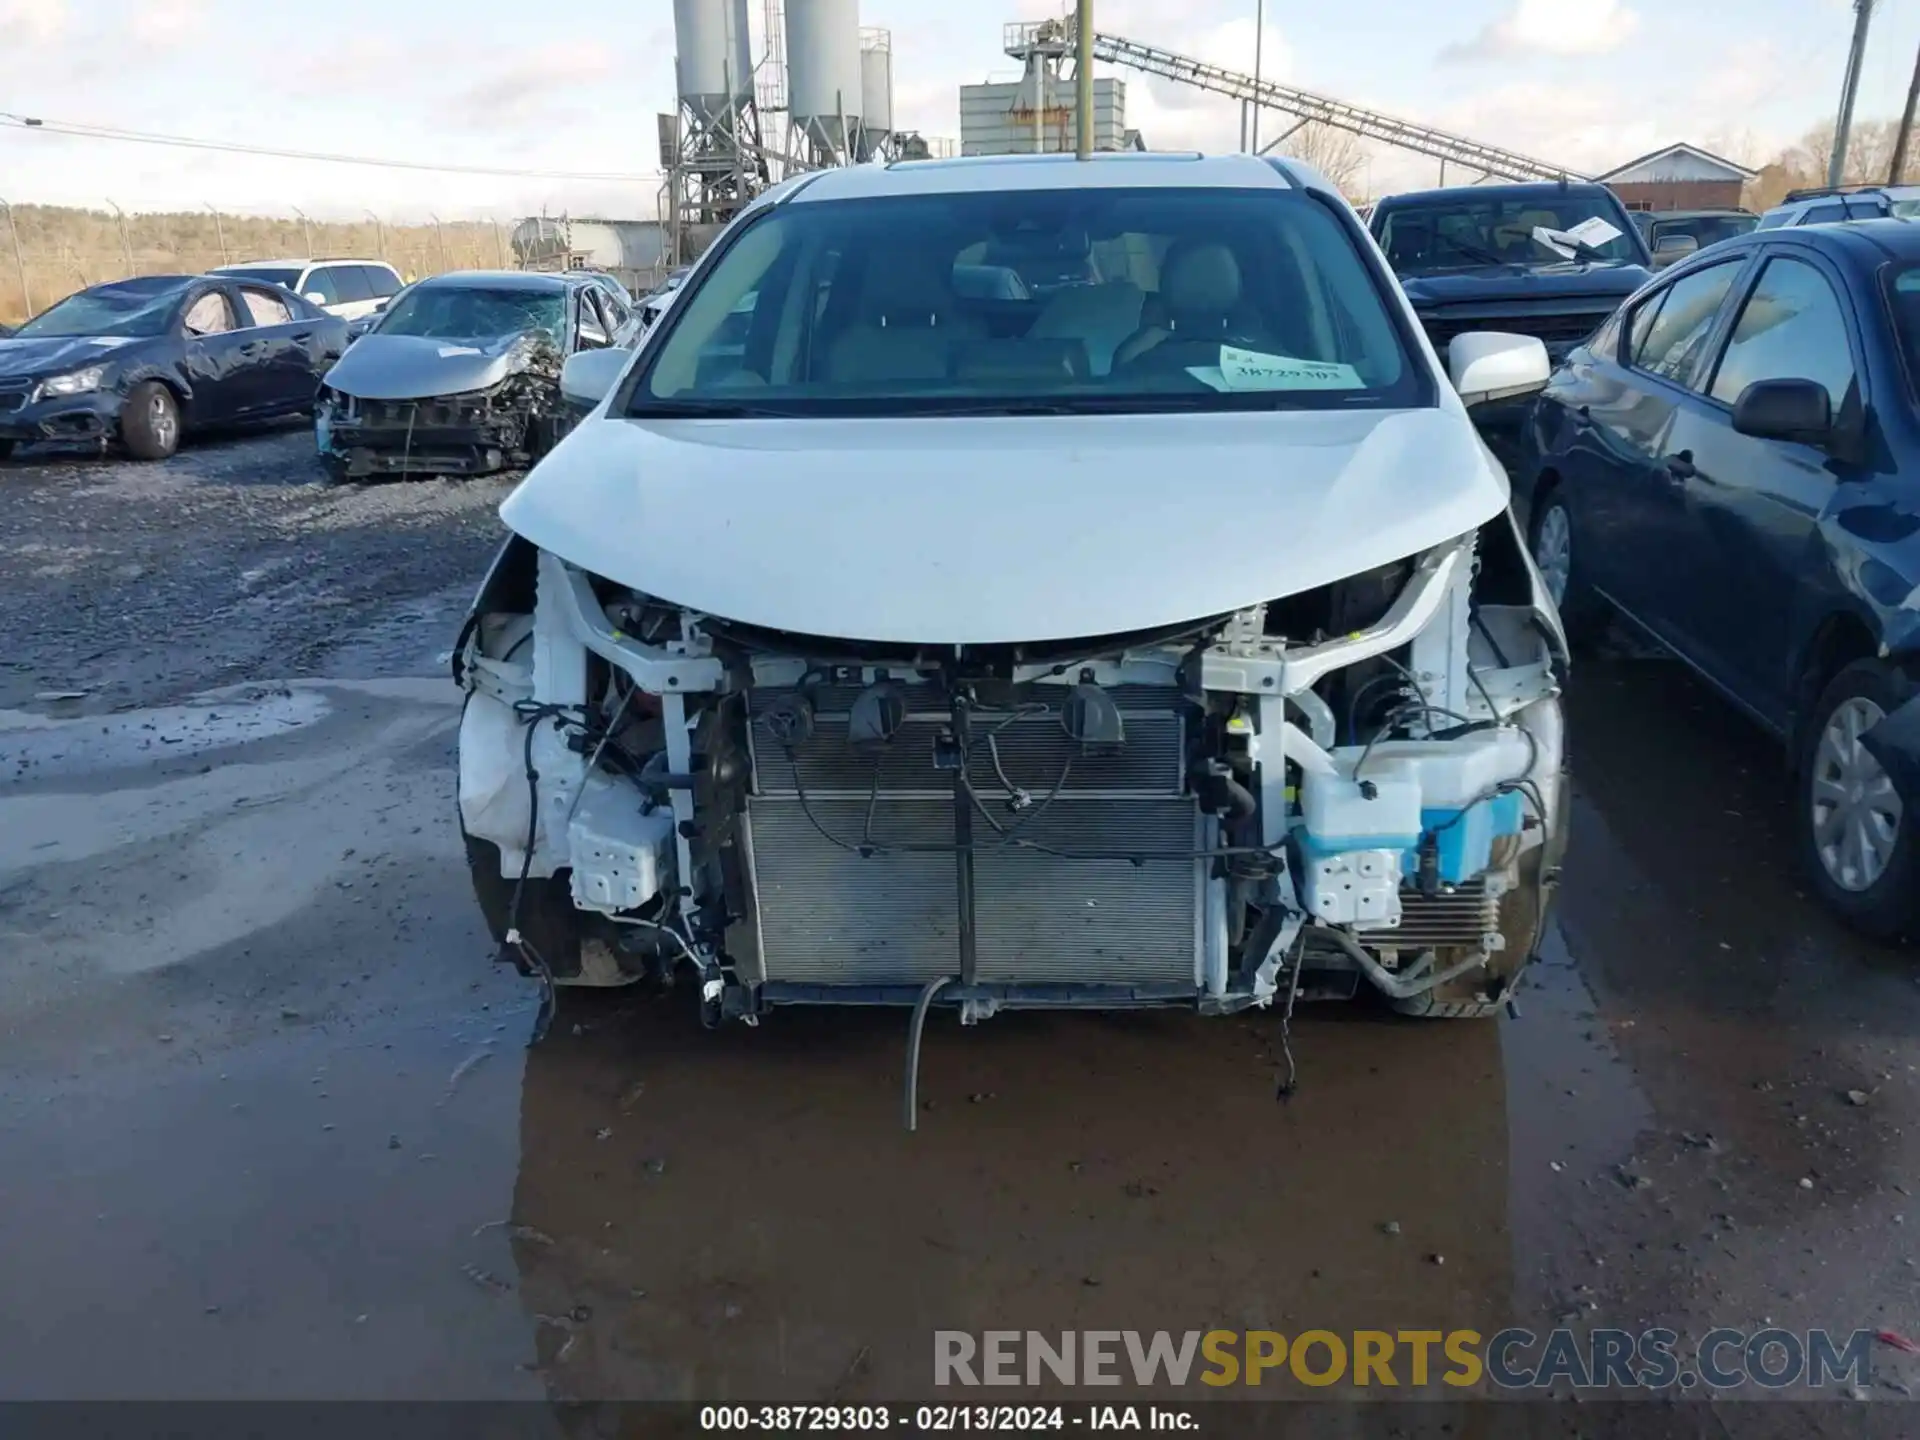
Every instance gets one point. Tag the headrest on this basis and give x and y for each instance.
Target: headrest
(909, 285)
(1201, 279)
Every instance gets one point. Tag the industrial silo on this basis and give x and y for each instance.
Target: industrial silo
(713, 64)
(876, 89)
(824, 74)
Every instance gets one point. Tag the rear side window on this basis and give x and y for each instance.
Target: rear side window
(324, 284)
(1671, 328)
(1824, 214)
(379, 280)
(264, 307)
(1791, 328)
(350, 281)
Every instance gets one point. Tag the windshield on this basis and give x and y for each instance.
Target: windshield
(1100, 300)
(287, 275)
(447, 312)
(1454, 234)
(115, 313)
(1707, 229)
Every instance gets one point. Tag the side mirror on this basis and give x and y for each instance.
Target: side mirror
(1784, 410)
(589, 376)
(1488, 365)
(314, 297)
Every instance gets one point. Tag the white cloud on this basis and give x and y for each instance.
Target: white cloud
(532, 85)
(169, 22)
(31, 22)
(1551, 27)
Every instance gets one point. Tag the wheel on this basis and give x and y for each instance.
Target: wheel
(6, 449)
(150, 421)
(1855, 836)
(1551, 539)
(334, 468)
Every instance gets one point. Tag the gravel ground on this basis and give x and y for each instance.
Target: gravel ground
(142, 583)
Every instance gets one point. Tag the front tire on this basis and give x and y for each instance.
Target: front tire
(1551, 539)
(150, 422)
(1856, 837)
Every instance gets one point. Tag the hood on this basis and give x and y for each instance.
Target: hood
(412, 367)
(1567, 279)
(992, 530)
(34, 357)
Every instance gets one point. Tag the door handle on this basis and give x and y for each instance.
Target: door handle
(304, 336)
(1681, 467)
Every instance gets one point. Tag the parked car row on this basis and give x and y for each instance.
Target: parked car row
(461, 377)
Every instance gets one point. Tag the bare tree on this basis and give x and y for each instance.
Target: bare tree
(1340, 155)
(1804, 163)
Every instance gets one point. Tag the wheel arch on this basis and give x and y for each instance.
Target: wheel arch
(1837, 640)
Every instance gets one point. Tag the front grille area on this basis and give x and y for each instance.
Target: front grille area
(829, 915)
(422, 414)
(1560, 331)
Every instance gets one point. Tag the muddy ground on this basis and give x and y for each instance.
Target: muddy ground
(270, 1126)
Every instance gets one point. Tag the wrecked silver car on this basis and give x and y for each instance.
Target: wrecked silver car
(460, 376)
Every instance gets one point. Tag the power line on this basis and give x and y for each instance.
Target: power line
(186, 142)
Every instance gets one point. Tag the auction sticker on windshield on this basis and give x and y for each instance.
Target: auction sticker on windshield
(1250, 370)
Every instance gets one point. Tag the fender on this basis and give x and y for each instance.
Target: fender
(171, 374)
(508, 587)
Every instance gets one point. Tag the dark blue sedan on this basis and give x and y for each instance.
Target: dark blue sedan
(145, 361)
(1732, 463)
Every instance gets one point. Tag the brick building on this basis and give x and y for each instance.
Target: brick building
(1680, 177)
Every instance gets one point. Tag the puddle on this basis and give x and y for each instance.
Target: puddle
(41, 746)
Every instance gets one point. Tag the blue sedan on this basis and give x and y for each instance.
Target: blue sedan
(1732, 464)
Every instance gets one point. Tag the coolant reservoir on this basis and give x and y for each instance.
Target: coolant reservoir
(1339, 814)
(1456, 780)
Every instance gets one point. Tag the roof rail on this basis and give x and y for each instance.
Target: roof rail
(1814, 192)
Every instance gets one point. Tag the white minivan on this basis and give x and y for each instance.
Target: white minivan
(346, 288)
(1154, 632)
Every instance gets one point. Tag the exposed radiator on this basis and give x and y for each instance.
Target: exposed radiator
(829, 915)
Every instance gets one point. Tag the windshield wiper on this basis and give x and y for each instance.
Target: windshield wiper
(670, 410)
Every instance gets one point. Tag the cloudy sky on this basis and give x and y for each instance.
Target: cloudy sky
(1589, 83)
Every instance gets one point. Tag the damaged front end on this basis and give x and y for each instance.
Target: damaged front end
(366, 424)
(1358, 784)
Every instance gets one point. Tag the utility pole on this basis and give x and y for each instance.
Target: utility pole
(1849, 91)
(440, 239)
(219, 231)
(379, 244)
(126, 242)
(306, 230)
(1083, 78)
(19, 259)
(1259, 36)
(1906, 126)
